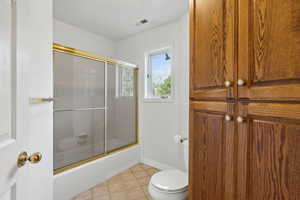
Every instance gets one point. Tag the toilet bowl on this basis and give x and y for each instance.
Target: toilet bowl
(170, 184)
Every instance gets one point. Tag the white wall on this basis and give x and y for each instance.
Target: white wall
(72, 36)
(160, 122)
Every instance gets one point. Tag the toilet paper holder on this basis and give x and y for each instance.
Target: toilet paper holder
(180, 139)
(183, 139)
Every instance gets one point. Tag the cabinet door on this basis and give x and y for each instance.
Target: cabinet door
(269, 50)
(211, 152)
(268, 164)
(212, 46)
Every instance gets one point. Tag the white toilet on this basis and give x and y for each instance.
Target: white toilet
(170, 184)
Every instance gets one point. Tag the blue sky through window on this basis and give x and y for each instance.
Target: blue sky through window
(161, 68)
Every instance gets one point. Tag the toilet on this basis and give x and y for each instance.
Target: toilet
(171, 184)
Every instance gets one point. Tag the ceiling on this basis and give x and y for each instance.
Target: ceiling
(117, 19)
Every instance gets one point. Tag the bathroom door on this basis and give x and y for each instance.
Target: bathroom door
(25, 72)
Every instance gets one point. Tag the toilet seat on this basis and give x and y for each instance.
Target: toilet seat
(170, 181)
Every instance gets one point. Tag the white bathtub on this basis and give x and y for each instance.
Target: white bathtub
(74, 181)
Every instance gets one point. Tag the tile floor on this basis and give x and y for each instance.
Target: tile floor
(131, 184)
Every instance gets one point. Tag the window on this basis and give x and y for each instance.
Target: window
(159, 74)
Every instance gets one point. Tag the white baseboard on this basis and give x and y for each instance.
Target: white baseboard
(156, 164)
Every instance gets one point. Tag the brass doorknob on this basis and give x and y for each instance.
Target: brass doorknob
(23, 158)
(35, 158)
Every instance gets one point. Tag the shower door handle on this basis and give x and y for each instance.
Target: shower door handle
(40, 100)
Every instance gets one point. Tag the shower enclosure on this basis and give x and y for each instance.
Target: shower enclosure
(95, 107)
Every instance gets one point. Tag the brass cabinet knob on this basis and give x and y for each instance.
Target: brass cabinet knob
(241, 82)
(240, 119)
(228, 84)
(23, 158)
(228, 118)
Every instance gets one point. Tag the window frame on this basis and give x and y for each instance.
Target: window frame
(148, 95)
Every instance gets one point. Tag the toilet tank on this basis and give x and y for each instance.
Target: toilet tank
(186, 155)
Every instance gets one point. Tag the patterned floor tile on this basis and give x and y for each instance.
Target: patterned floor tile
(132, 184)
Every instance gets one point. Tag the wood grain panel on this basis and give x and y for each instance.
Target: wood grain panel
(288, 111)
(286, 93)
(212, 48)
(276, 40)
(211, 152)
(269, 49)
(274, 163)
(210, 106)
(208, 157)
(268, 164)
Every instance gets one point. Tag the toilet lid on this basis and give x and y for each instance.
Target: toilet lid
(170, 180)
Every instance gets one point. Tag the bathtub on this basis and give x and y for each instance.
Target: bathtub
(74, 181)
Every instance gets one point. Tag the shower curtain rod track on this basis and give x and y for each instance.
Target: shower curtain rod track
(85, 54)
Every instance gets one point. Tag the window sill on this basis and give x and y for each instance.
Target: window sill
(158, 100)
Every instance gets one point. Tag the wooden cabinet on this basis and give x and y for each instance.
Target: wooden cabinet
(269, 50)
(268, 162)
(211, 151)
(254, 44)
(212, 32)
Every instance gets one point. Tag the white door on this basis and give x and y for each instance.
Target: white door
(25, 72)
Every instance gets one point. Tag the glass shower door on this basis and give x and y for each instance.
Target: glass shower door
(95, 107)
(121, 106)
(79, 109)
